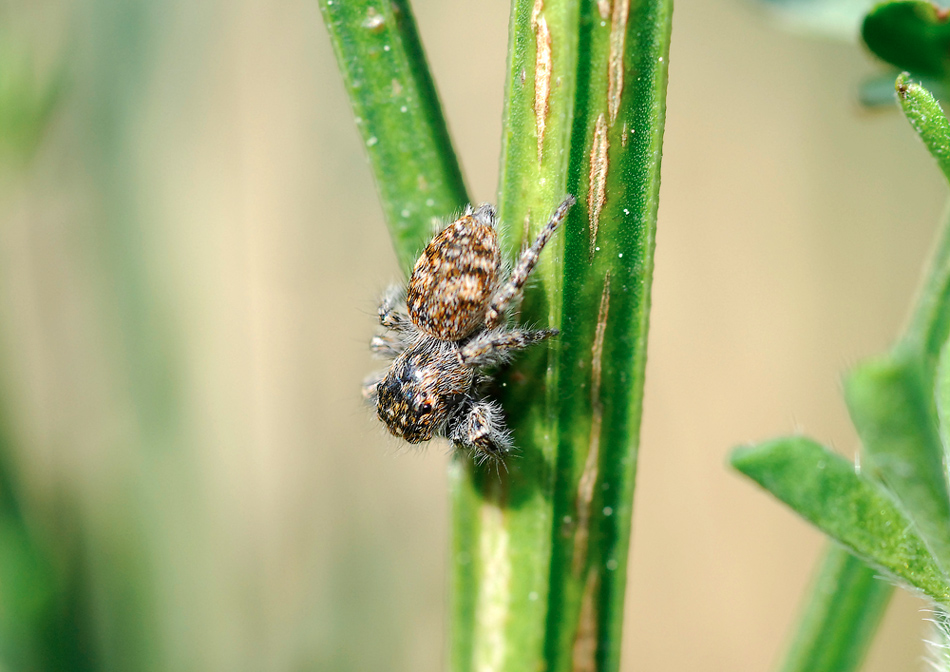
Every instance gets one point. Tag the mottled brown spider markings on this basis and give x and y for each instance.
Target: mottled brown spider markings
(447, 329)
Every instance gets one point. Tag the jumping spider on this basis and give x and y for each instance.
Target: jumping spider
(446, 329)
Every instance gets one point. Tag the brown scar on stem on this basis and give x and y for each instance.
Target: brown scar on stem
(597, 185)
(585, 487)
(903, 84)
(623, 136)
(543, 66)
(584, 652)
(397, 87)
(618, 34)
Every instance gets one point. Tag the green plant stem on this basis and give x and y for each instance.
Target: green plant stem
(844, 608)
(503, 522)
(399, 117)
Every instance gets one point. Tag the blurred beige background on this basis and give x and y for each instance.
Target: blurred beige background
(283, 529)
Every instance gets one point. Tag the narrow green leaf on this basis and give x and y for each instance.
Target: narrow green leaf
(845, 606)
(503, 522)
(891, 406)
(823, 488)
(399, 117)
(926, 116)
(608, 267)
(912, 36)
(584, 115)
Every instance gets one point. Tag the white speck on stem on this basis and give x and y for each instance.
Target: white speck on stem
(611, 564)
(374, 21)
(608, 511)
(405, 212)
(372, 140)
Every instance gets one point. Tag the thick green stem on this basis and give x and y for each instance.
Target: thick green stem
(584, 115)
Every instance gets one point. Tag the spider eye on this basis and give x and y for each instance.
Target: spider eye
(425, 408)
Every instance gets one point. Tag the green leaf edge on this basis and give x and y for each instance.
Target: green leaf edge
(823, 488)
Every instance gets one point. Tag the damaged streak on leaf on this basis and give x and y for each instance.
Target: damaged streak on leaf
(618, 32)
(597, 186)
(584, 652)
(543, 66)
(585, 488)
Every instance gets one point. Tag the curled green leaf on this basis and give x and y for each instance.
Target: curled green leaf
(912, 36)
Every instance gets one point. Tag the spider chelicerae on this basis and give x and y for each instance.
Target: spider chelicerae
(446, 329)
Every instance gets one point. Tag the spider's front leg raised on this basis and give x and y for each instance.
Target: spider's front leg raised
(519, 276)
(481, 429)
(491, 348)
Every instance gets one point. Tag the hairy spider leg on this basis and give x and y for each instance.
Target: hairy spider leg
(519, 276)
(388, 346)
(491, 348)
(392, 314)
(482, 430)
(371, 383)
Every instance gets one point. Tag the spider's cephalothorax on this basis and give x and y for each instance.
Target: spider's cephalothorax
(446, 329)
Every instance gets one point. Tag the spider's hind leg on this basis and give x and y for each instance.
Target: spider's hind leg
(481, 430)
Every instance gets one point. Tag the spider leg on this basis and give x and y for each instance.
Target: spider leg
(387, 346)
(519, 276)
(490, 348)
(481, 429)
(392, 313)
(370, 383)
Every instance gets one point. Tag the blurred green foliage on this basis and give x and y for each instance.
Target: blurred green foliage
(894, 512)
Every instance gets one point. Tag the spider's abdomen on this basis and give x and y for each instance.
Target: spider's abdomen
(453, 280)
